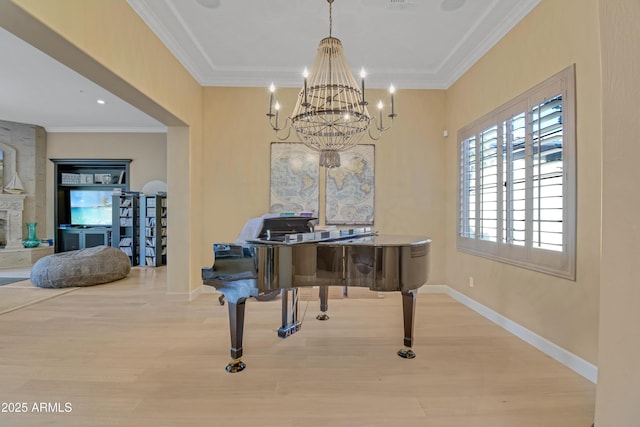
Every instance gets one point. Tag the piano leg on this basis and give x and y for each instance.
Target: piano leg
(290, 322)
(324, 303)
(408, 312)
(236, 328)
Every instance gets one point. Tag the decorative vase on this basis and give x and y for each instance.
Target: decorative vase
(32, 240)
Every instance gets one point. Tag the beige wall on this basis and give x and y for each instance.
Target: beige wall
(148, 152)
(409, 194)
(618, 374)
(553, 36)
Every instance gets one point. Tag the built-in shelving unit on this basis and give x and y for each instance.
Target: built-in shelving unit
(83, 200)
(126, 223)
(153, 230)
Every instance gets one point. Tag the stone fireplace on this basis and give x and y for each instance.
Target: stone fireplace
(23, 149)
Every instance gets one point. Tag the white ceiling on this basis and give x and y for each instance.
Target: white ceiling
(37, 89)
(414, 44)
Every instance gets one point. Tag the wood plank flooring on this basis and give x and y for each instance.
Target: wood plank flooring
(126, 354)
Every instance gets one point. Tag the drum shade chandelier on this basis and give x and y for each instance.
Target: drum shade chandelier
(331, 113)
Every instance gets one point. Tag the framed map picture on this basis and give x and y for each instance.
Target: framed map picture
(295, 178)
(350, 188)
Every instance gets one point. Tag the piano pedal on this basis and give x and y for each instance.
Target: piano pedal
(285, 331)
(406, 353)
(236, 365)
(322, 316)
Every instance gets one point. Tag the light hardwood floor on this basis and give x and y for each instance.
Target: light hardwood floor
(127, 354)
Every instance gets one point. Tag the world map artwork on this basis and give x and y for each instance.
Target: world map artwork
(350, 188)
(295, 176)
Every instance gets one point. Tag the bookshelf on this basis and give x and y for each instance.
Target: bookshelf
(153, 230)
(125, 226)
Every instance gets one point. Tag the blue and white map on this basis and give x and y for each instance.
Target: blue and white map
(350, 188)
(295, 177)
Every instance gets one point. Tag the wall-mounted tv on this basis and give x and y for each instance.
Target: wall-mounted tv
(90, 207)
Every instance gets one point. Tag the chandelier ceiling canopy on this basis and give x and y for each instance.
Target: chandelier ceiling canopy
(331, 112)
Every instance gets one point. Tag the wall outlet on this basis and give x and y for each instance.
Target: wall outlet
(471, 281)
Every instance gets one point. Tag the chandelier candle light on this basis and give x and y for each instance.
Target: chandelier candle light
(330, 114)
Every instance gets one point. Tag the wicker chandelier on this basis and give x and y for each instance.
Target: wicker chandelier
(331, 113)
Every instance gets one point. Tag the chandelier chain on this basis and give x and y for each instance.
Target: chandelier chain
(330, 35)
(330, 17)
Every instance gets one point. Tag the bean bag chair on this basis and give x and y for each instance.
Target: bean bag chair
(84, 267)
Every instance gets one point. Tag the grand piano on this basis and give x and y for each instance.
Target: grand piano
(287, 253)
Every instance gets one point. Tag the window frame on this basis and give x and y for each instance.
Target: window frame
(559, 263)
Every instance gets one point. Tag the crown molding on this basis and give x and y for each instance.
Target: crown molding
(78, 129)
(522, 9)
(193, 66)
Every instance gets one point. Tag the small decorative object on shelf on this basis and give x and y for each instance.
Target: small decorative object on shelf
(14, 186)
(31, 241)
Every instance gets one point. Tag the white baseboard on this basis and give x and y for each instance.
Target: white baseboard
(570, 360)
(187, 296)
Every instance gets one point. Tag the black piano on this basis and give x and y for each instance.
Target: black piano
(287, 254)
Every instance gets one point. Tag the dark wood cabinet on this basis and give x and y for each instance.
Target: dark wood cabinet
(83, 191)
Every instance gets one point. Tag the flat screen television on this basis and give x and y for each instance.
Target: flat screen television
(90, 207)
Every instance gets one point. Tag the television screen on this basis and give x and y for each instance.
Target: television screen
(90, 207)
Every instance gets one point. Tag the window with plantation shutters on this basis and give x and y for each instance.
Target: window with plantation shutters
(517, 180)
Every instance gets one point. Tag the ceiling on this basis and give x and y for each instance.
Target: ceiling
(414, 44)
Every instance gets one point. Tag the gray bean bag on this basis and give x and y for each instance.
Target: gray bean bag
(85, 267)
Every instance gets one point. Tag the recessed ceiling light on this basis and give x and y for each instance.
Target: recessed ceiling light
(101, 101)
(451, 5)
(209, 4)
